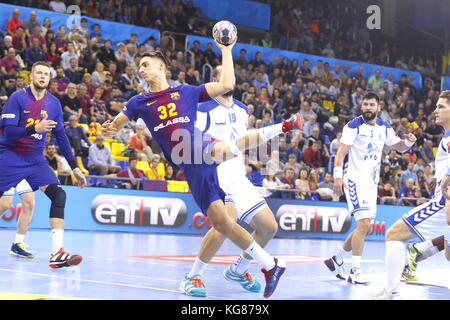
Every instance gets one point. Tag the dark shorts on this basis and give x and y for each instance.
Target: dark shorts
(37, 173)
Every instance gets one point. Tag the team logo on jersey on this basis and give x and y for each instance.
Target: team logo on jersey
(26, 111)
(175, 96)
(150, 103)
(370, 148)
(43, 113)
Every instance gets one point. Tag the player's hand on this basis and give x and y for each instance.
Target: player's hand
(337, 186)
(223, 47)
(79, 175)
(411, 137)
(45, 125)
(444, 186)
(108, 130)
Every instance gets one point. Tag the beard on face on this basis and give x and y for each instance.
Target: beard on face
(369, 116)
(229, 93)
(38, 87)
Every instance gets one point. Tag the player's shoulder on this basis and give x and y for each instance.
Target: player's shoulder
(52, 99)
(18, 94)
(355, 123)
(383, 123)
(208, 106)
(240, 104)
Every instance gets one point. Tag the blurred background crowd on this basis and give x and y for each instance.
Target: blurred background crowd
(93, 81)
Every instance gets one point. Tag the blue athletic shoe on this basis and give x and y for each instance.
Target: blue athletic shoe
(193, 286)
(244, 280)
(18, 250)
(273, 276)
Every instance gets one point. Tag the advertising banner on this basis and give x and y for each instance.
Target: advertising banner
(104, 209)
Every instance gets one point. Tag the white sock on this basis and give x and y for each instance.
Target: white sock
(356, 262)
(395, 263)
(197, 268)
(428, 253)
(260, 255)
(19, 238)
(270, 132)
(241, 265)
(340, 255)
(57, 240)
(422, 246)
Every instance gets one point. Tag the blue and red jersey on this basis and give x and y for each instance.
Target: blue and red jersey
(23, 110)
(167, 111)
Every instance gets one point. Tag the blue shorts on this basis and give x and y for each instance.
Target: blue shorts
(204, 184)
(36, 171)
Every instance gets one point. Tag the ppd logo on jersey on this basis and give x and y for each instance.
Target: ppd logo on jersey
(297, 218)
(139, 211)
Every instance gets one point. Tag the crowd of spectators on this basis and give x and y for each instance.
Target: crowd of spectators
(93, 81)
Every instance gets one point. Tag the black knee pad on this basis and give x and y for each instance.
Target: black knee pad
(58, 198)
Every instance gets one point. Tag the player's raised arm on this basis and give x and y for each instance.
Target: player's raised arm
(227, 80)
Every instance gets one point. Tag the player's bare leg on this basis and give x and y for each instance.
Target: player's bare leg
(5, 204)
(18, 247)
(59, 257)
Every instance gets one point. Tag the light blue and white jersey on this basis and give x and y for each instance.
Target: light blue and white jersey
(367, 142)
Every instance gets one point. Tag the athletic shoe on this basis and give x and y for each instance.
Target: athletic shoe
(385, 295)
(64, 259)
(356, 277)
(272, 277)
(336, 268)
(19, 250)
(408, 274)
(294, 122)
(413, 255)
(193, 286)
(244, 280)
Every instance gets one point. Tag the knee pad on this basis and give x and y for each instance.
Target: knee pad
(58, 198)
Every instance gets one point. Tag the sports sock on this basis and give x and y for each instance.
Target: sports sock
(241, 265)
(356, 262)
(340, 255)
(57, 240)
(428, 253)
(197, 268)
(260, 255)
(394, 262)
(422, 246)
(270, 132)
(19, 238)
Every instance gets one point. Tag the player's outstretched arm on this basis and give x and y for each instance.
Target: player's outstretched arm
(110, 129)
(338, 170)
(405, 144)
(227, 79)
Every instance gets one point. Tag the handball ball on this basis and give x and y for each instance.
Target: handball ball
(224, 32)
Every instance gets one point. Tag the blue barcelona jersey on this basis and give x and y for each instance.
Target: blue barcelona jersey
(170, 115)
(23, 110)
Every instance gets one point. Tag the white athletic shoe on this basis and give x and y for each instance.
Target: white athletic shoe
(356, 277)
(336, 268)
(385, 295)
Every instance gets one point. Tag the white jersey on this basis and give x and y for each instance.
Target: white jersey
(227, 124)
(367, 142)
(441, 163)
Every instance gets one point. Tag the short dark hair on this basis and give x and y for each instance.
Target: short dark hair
(371, 95)
(157, 54)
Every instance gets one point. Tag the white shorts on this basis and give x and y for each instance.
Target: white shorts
(21, 188)
(240, 190)
(428, 220)
(361, 199)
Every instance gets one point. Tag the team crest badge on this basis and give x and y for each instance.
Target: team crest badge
(175, 96)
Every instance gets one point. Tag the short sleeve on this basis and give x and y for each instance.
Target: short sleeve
(130, 109)
(348, 135)
(202, 93)
(11, 111)
(391, 137)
